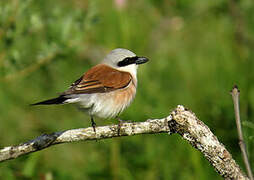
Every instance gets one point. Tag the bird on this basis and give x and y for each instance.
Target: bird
(106, 89)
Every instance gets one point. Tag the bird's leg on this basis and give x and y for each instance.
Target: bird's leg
(120, 122)
(93, 124)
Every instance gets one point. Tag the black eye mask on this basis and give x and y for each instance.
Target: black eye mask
(132, 60)
(127, 61)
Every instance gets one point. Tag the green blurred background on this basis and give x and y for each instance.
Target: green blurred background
(197, 49)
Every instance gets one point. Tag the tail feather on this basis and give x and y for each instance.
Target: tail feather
(58, 100)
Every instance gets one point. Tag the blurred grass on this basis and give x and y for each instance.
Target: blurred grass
(198, 50)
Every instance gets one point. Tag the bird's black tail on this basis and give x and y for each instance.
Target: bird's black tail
(58, 100)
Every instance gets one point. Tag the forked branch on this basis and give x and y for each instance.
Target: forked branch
(181, 121)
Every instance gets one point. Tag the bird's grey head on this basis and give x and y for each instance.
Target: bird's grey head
(124, 59)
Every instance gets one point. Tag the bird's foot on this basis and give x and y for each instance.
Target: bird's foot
(120, 123)
(93, 125)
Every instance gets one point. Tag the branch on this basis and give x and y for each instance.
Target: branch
(181, 121)
(235, 96)
(31, 68)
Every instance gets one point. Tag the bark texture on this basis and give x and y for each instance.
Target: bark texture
(181, 121)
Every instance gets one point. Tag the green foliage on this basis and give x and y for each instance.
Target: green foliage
(197, 49)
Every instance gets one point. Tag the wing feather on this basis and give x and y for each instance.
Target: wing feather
(100, 79)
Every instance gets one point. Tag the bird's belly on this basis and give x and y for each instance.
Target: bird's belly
(107, 105)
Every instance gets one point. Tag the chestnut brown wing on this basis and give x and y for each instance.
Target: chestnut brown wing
(100, 79)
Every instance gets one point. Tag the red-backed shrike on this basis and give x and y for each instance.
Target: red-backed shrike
(106, 89)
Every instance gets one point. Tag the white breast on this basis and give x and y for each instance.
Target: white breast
(107, 105)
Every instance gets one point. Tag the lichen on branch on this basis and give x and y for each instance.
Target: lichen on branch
(181, 121)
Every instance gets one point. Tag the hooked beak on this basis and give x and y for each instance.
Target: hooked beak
(141, 60)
